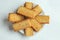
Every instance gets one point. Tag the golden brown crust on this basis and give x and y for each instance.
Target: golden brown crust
(37, 9)
(35, 25)
(33, 20)
(28, 5)
(26, 12)
(21, 25)
(28, 31)
(42, 19)
(13, 17)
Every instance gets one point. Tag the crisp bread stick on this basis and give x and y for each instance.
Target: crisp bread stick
(42, 19)
(13, 17)
(37, 9)
(21, 25)
(28, 31)
(26, 12)
(28, 5)
(35, 25)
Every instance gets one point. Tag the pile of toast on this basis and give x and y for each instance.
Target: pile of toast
(28, 18)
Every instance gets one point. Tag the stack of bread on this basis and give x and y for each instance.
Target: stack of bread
(28, 18)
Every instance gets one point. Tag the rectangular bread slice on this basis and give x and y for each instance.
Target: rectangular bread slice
(42, 19)
(26, 12)
(28, 5)
(37, 9)
(35, 25)
(21, 25)
(13, 17)
(28, 31)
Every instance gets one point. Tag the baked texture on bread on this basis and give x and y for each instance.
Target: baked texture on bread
(21, 25)
(35, 25)
(28, 31)
(13, 17)
(26, 12)
(37, 9)
(42, 19)
(28, 5)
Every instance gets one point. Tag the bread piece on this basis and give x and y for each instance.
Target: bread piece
(13, 17)
(21, 25)
(42, 19)
(37, 9)
(26, 12)
(28, 31)
(35, 25)
(28, 5)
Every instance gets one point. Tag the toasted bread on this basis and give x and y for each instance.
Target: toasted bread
(28, 5)
(26, 12)
(42, 19)
(28, 31)
(21, 25)
(35, 25)
(37, 9)
(13, 17)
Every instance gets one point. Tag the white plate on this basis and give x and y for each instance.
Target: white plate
(49, 32)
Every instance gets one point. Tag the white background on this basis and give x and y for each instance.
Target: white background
(49, 32)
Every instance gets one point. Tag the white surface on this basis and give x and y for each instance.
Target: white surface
(49, 32)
